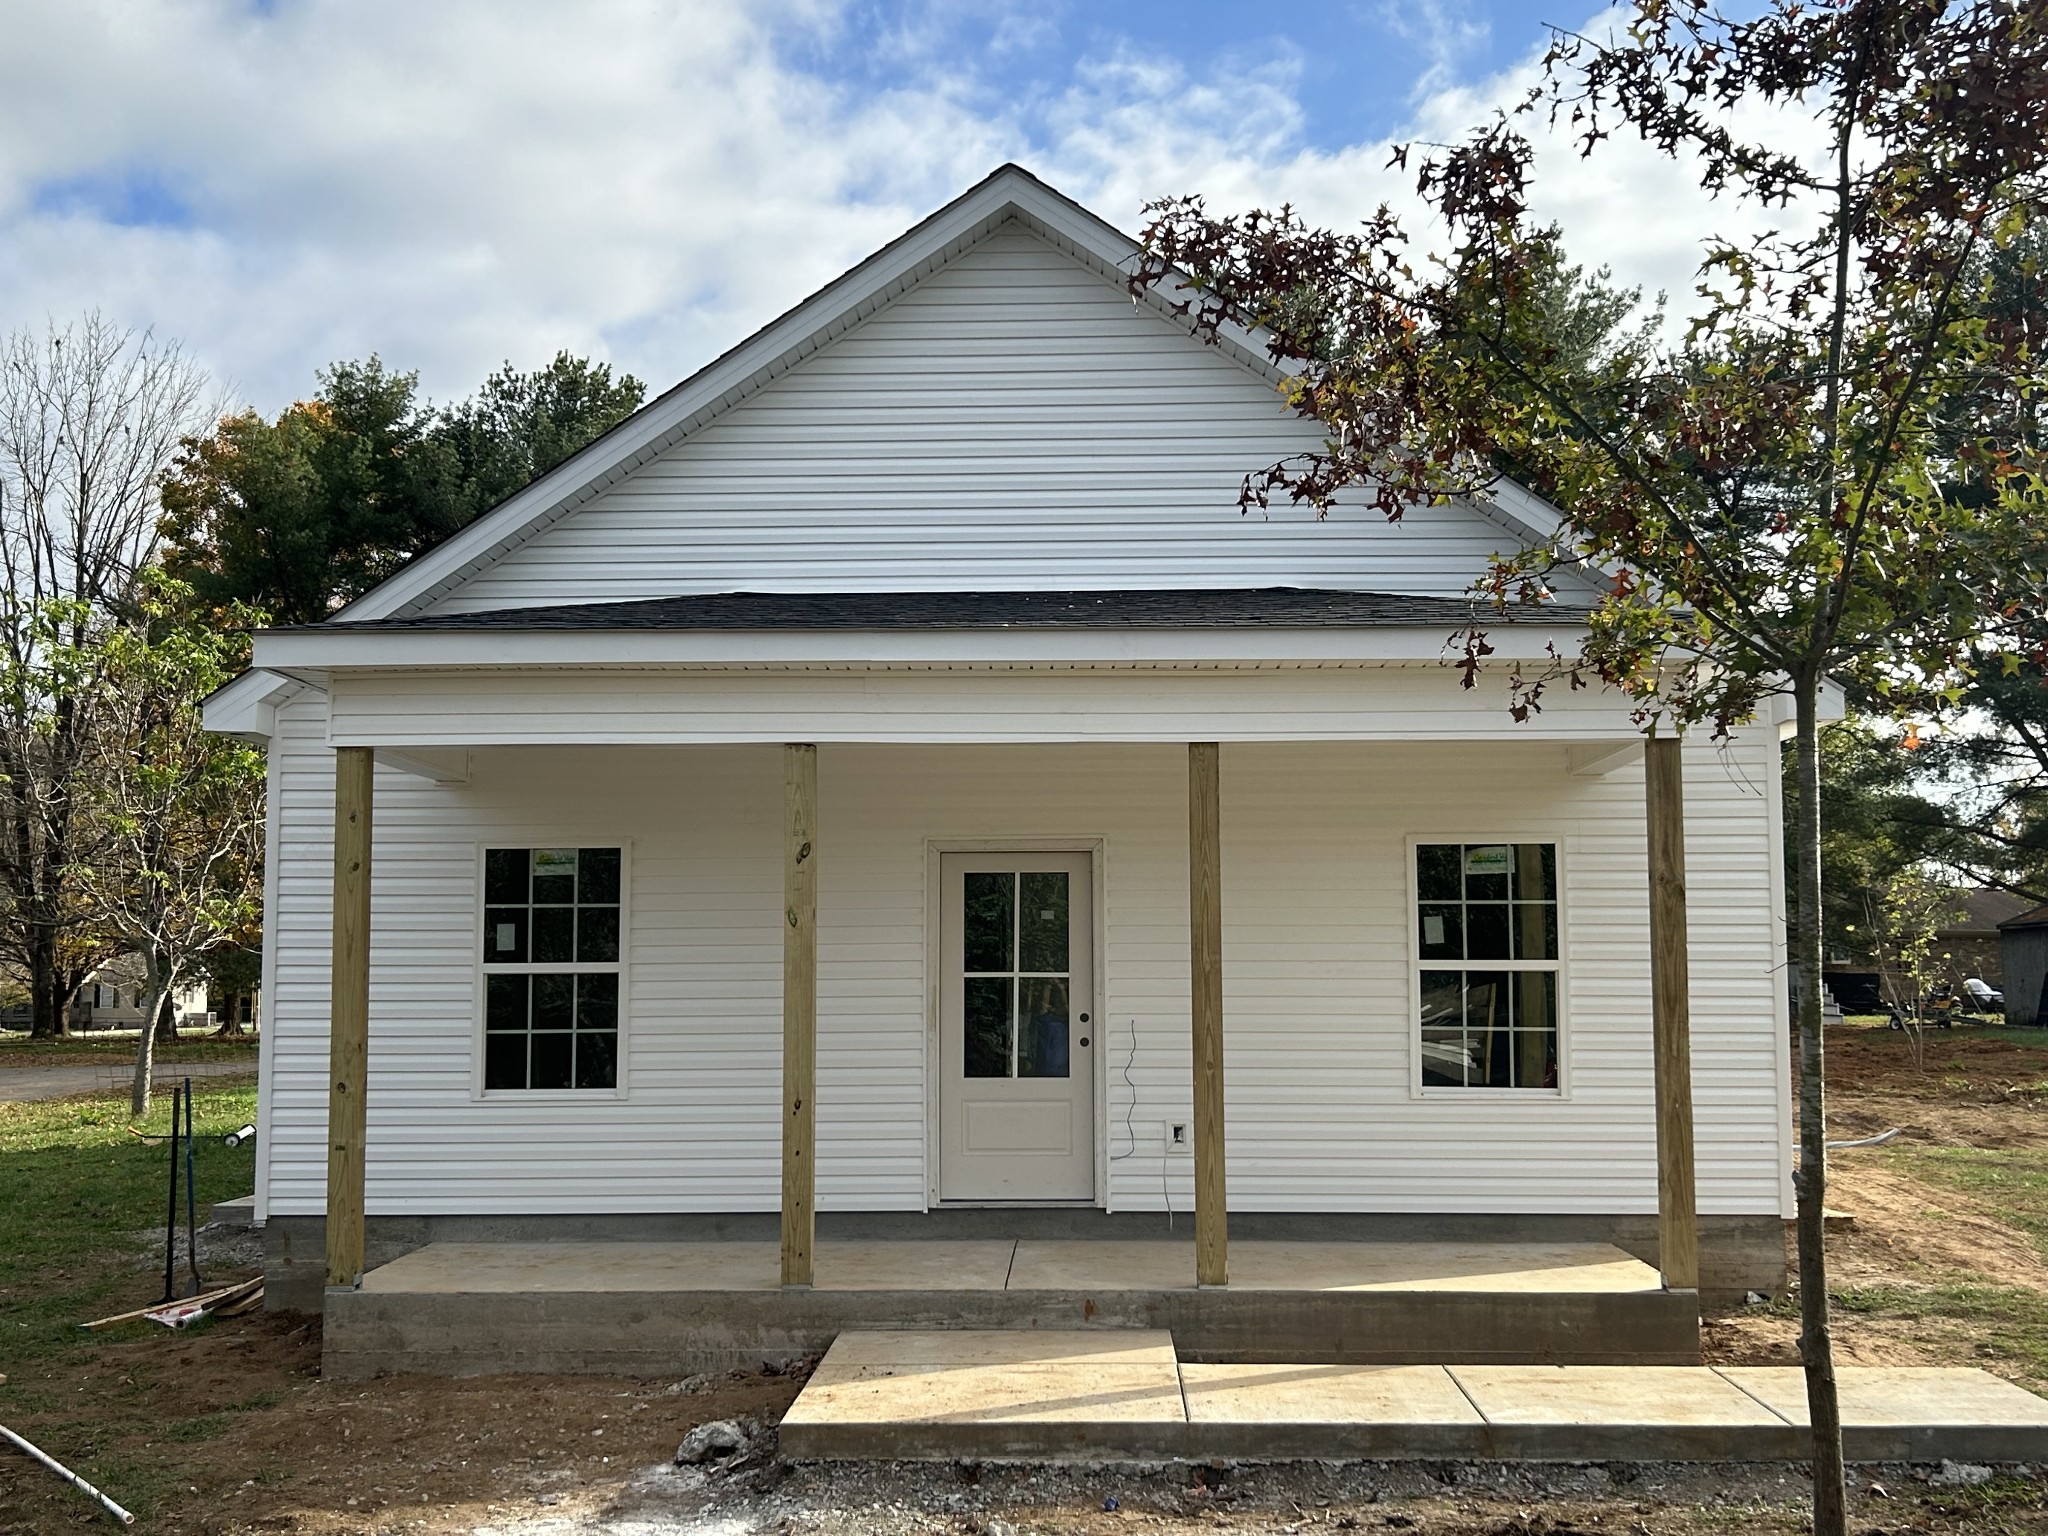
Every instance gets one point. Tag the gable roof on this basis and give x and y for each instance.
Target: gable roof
(1010, 193)
(1983, 909)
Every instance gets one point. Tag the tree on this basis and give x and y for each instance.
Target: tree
(1875, 827)
(1762, 505)
(181, 864)
(301, 514)
(521, 425)
(90, 415)
(1986, 815)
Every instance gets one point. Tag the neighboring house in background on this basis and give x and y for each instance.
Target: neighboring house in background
(965, 522)
(2024, 941)
(1972, 942)
(113, 999)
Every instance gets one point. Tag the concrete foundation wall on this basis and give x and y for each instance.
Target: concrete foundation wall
(1737, 1253)
(638, 1333)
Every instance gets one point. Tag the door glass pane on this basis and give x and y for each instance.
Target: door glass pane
(989, 919)
(1042, 1033)
(1042, 922)
(986, 1026)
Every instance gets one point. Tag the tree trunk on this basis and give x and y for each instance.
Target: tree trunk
(1810, 1180)
(47, 993)
(157, 993)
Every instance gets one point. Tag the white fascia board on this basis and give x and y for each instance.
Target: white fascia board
(1831, 706)
(768, 353)
(346, 647)
(247, 707)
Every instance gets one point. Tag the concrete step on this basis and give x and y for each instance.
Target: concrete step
(1125, 1395)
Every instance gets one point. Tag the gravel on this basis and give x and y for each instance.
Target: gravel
(757, 1495)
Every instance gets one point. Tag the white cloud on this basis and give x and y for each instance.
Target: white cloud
(459, 183)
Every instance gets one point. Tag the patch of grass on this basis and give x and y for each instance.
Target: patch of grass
(74, 1184)
(2010, 1183)
(2002, 1320)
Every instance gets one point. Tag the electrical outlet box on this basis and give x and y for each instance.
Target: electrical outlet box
(1178, 1139)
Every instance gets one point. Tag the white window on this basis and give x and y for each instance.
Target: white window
(552, 932)
(1486, 946)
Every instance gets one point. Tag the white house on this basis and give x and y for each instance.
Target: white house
(930, 598)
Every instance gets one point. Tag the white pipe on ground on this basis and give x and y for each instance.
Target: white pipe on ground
(70, 1477)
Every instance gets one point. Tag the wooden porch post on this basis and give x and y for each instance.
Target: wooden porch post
(1678, 1241)
(348, 1030)
(1205, 953)
(799, 1010)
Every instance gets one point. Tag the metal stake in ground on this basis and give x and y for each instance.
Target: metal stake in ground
(171, 1215)
(70, 1476)
(191, 1198)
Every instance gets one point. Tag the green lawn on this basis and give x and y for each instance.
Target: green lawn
(198, 1044)
(75, 1189)
(74, 1184)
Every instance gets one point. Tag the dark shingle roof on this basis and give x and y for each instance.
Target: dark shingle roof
(2038, 918)
(1188, 608)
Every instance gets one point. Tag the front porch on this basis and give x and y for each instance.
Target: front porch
(676, 1307)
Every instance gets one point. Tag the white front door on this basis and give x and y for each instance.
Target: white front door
(1016, 1030)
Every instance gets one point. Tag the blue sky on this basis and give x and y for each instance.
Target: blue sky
(454, 184)
(1356, 67)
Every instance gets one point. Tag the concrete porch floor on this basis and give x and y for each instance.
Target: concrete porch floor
(1011, 1264)
(1105, 1396)
(474, 1308)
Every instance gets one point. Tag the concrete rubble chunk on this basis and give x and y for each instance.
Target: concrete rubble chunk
(712, 1442)
(1960, 1474)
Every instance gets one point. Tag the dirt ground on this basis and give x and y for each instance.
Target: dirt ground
(229, 1430)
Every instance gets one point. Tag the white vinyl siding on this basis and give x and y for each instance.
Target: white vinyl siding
(1316, 967)
(1011, 422)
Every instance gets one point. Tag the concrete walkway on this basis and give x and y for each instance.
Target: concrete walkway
(1126, 1396)
(19, 1085)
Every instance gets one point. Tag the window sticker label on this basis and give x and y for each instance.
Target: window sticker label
(508, 936)
(1432, 929)
(1491, 860)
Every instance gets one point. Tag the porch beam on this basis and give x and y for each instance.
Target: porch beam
(1205, 954)
(1678, 1243)
(799, 1011)
(348, 1032)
